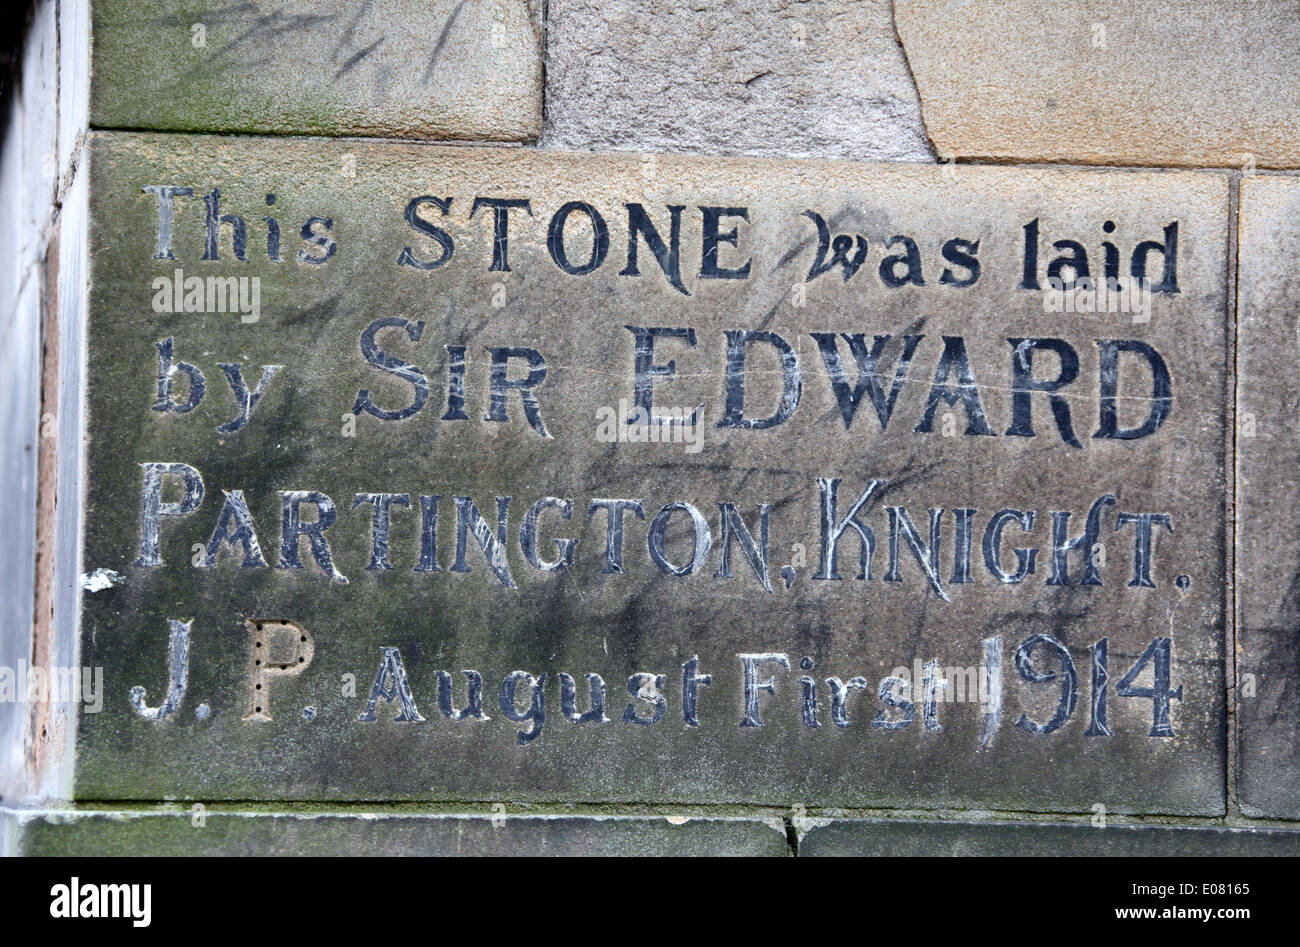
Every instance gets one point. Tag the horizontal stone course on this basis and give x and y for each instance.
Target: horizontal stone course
(905, 838)
(183, 832)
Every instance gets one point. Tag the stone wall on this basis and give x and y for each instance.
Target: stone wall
(1097, 124)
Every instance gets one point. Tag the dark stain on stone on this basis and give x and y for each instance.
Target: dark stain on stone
(320, 313)
(442, 41)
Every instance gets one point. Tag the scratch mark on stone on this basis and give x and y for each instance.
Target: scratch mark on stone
(348, 37)
(362, 54)
(442, 41)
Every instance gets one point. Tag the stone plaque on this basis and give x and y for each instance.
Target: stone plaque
(1268, 448)
(482, 475)
(445, 69)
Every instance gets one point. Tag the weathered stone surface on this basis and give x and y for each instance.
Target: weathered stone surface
(55, 638)
(183, 832)
(752, 592)
(1268, 500)
(20, 343)
(38, 137)
(27, 188)
(1165, 82)
(447, 69)
(74, 84)
(904, 837)
(797, 79)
